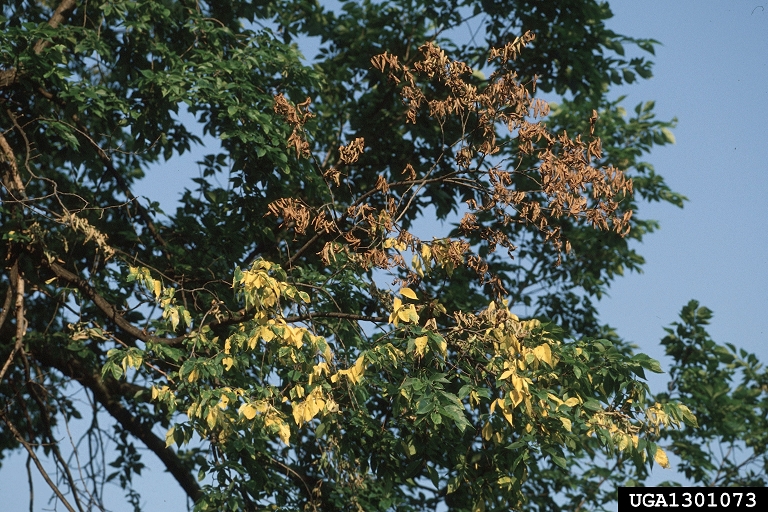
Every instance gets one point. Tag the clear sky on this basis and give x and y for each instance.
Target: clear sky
(712, 74)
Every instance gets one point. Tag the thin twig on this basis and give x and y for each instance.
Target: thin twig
(37, 462)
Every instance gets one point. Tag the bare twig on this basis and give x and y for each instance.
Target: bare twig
(334, 314)
(34, 458)
(110, 395)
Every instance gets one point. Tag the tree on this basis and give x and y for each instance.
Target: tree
(728, 449)
(288, 325)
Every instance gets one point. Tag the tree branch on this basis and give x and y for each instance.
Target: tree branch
(64, 9)
(32, 455)
(9, 77)
(21, 322)
(124, 187)
(6, 306)
(334, 314)
(105, 391)
(104, 305)
(10, 177)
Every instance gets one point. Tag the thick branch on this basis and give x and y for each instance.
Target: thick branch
(21, 322)
(106, 392)
(6, 305)
(63, 11)
(10, 171)
(9, 77)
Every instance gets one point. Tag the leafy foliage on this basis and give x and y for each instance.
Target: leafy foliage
(300, 346)
(725, 388)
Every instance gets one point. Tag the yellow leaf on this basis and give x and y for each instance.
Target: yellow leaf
(395, 308)
(309, 408)
(543, 353)
(248, 410)
(294, 336)
(266, 333)
(157, 288)
(421, 345)
(519, 383)
(174, 314)
(507, 415)
(407, 292)
(298, 412)
(227, 362)
(169, 437)
(426, 252)
(516, 397)
(571, 402)
(284, 431)
(505, 410)
(661, 458)
(507, 374)
(320, 368)
(193, 375)
(394, 242)
(555, 399)
(623, 442)
(487, 431)
(408, 314)
(416, 264)
(566, 423)
(443, 346)
(211, 418)
(353, 374)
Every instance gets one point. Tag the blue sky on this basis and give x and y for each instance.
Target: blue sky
(712, 74)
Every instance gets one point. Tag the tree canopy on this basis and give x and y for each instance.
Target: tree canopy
(284, 340)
